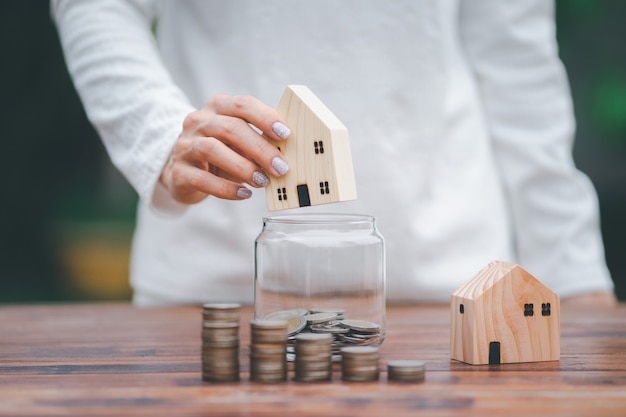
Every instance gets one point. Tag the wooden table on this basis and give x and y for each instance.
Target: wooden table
(114, 359)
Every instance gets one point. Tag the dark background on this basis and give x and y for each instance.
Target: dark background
(67, 215)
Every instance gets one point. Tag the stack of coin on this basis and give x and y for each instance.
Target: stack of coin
(406, 370)
(220, 342)
(313, 353)
(359, 363)
(268, 344)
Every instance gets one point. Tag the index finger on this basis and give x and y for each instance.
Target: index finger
(254, 111)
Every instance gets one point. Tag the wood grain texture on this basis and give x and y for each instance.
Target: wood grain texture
(117, 360)
(318, 153)
(505, 306)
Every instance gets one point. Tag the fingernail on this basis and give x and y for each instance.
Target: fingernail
(280, 165)
(281, 130)
(244, 193)
(260, 179)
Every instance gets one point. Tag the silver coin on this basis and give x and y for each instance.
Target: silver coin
(405, 365)
(220, 344)
(219, 333)
(361, 326)
(268, 378)
(318, 318)
(286, 313)
(338, 311)
(221, 306)
(357, 340)
(361, 377)
(313, 366)
(221, 312)
(268, 324)
(313, 376)
(358, 351)
(313, 338)
(406, 371)
(320, 328)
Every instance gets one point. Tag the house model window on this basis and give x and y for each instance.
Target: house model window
(324, 187)
(317, 151)
(281, 193)
(528, 310)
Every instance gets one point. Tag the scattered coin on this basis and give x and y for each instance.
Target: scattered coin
(406, 370)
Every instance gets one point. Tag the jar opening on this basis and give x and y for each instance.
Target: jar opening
(319, 218)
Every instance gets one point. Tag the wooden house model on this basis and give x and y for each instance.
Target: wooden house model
(318, 153)
(504, 315)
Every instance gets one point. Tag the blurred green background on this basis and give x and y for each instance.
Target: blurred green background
(67, 215)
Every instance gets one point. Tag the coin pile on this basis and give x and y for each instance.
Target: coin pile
(359, 363)
(268, 347)
(313, 358)
(362, 332)
(330, 321)
(406, 370)
(220, 342)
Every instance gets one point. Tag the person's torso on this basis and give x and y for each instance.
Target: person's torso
(395, 75)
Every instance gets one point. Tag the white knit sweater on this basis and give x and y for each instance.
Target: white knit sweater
(459, 115)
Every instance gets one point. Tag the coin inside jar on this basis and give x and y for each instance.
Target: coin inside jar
(317, 318)
(282, 314)
(296, 324)
(333, 329)
(330, 321)
(363, 326)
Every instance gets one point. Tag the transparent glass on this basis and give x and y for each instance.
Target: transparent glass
(310, 263)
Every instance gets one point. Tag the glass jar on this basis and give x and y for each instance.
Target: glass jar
(327, 268)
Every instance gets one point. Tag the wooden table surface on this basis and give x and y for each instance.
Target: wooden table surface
(115, 359)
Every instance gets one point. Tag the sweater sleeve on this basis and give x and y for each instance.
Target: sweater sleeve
(512, 49)
(126, 90)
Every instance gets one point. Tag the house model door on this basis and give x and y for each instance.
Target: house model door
(494, 353)
(303, 195)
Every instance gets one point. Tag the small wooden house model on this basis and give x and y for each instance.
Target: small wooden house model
(318, 152)
(504, 315)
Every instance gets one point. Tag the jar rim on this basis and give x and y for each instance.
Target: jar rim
(319, 218)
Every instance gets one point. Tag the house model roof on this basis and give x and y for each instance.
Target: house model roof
(498, 273)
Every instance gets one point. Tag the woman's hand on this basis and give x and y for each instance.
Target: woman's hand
(218, 151)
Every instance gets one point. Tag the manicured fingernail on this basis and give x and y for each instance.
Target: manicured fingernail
(281, 130)
(244, 193)
(260, 179)
(280, 166)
